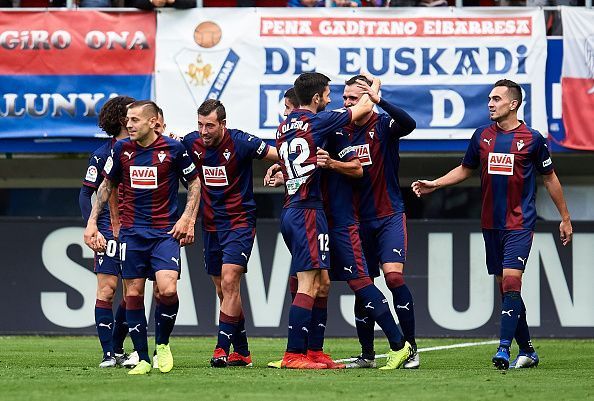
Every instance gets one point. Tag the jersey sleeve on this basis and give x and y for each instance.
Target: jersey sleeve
(112, 169)
(186, 167)
(256, 148)
(332, 121)
(542, 157)
(472, 157)
(93, 175)
(397, 122)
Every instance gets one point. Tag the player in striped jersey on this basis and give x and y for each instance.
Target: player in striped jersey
(508, 153)
(223, 157)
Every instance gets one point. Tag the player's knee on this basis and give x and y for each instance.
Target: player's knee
(323, 289)
(394, 279)
(169, 299)
(358, 283)
(229, 285)
(106, 292)
(512, 284)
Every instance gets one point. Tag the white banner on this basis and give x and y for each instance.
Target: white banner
(439, 65)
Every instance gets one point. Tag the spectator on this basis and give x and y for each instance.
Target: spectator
(152, 4)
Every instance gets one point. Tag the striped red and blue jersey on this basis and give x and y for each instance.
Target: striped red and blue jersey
(297, 141)
(225, 171)
(376, 143)
(337, 189)
(94, 178)
(508, 162)
(150, 180)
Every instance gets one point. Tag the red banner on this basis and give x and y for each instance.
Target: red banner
(77, 43)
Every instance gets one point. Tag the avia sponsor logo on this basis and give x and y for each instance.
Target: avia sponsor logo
(143, 177)
(395, 27)
(501, 163)
(215, 176)
(363, 154)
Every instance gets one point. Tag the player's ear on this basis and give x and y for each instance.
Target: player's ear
(513, 105)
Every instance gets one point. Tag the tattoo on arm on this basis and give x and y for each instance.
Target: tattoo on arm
(193, 201)
(103, 194)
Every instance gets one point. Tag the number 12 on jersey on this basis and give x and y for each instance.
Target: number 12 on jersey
(296, 169)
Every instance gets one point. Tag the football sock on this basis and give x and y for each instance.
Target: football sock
(240, 340)
(510, 314)
(227, 328)
(157, 321)
(376, 306)
(168, 307)
(404, 304)
(104, 324)
(319, 318)
(523, 333)
(137, 325)
(120, 328)
(299, 322)
(365, 329)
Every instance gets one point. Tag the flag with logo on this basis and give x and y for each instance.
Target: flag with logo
(577, 78)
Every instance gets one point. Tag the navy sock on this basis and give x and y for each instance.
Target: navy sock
(120, 328)
(227, 328)
(157, 322)
(240, 340)
(522, 335)
(403, 301)
(365, 329)
(137, 325)
(510, 314)
(319, 318)
(167, 314)
(299, 322)
(376, 305)
(104, 324)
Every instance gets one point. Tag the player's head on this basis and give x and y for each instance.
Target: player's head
(112, 117)
(504, 100)
(312, 89)
(291, 101)
(142, 119)
(211, 122)
(352, 93)
(160, 127)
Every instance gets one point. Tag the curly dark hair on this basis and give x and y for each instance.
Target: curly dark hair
(112, 116)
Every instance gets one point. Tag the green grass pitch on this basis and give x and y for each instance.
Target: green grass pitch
(65, 368)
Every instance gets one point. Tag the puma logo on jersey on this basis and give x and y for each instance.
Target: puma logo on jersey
(305, 329)
(403, 306)
(161, 155)
(520, 144)
(522, 260)
(169, 316)
(96, 158)
(349, 269)
(368, 306)
(487, 141)
(398, 251)
(185, 154)
(198, 154)
(175, 260)
(225, 334)
(108, 325)
(129, 154)
(244, 255)
(507, 312)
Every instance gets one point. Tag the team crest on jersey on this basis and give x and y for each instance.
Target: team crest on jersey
(215, 176)
(143, 177)
(371, 134)
(501, 163)
(520, 144)
(363, 154)
(91, 174)
(161, 155)
(227, 154)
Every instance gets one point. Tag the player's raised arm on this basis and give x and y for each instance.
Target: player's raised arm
(455, 176)
(365, 104)
(92, 237)
(553, 186)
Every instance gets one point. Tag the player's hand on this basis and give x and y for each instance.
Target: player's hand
(270, 173)
(565, 231)
(423, 187)
(366, 89)
(180, 229)
(323, 158)
(277, 180)
(171, 134)
(94, 239)
(189, 238)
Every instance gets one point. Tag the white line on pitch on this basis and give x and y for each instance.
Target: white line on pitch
(438, 348)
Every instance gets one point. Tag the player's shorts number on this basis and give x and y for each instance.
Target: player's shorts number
(323, 240)
(296, 168)
(112, 248)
